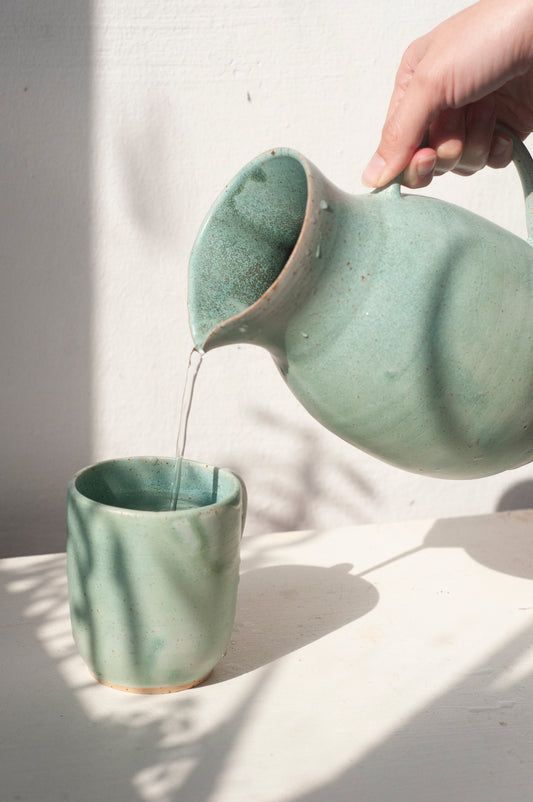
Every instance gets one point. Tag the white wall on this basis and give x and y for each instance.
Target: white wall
(170, 123)
(45, 265)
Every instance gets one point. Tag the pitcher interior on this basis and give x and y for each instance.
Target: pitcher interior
(246, 240)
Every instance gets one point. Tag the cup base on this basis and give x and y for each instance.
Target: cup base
(160, 689)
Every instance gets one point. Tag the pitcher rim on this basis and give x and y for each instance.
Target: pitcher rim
(310, 172)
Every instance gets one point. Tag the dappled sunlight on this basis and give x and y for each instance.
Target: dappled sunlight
(414, 639)
(158, 744)
(473, 740)
(518, 671)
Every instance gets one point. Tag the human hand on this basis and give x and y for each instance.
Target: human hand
(453, 84)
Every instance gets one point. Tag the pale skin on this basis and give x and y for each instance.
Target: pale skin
(452, 87)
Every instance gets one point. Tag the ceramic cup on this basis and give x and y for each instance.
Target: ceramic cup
(152, 592)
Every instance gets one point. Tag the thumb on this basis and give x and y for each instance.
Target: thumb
(407, 122)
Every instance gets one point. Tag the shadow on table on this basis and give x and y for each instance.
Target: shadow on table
(79, 749)
(143, 747)
(474, 741)
(489, 540)
(282, 608)
(517, 497)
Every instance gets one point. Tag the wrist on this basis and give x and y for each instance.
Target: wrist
(516, 26)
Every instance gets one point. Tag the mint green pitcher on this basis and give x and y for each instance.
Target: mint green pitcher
(402, 323)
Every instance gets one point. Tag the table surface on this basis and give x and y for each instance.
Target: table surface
(369, 663)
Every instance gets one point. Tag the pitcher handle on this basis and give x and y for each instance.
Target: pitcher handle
(524, 166)
(523, 162)
(244, 502)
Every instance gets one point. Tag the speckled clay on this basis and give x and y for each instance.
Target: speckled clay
(152, 594)
(402, 323)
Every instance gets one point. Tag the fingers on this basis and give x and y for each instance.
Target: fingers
(401, 136)
(420, 170)
(480, 120)
(411, 107)
(465, 140)
(462, 141)
(447, 138)
(446, 142)
(501, 151)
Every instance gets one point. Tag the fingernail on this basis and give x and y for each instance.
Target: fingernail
(426, 166)
(501, 146)
(450, 150)
(373, 170)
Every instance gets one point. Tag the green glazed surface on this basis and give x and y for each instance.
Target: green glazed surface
(402, 323)
(152, 593)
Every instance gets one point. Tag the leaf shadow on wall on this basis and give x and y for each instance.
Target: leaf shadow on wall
(303, 481)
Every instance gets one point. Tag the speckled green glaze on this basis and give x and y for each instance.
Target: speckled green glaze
(402, 323)
(152, 594)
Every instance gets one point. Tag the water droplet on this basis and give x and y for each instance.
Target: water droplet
(324, 204)
(304, 334)
(243, 329)
(318, 251)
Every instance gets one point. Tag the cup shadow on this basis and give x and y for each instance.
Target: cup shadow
(282, 608)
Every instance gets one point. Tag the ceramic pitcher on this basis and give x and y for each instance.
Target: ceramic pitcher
(402, 323)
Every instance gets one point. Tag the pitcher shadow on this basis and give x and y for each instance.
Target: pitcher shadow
(517, 497)
(490, 540)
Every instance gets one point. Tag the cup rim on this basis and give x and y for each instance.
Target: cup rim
(228, 500)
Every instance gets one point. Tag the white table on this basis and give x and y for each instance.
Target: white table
(389, 663)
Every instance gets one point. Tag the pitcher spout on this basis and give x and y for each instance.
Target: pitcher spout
(254, 255)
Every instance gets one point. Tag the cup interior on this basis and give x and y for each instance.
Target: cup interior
(145, 483)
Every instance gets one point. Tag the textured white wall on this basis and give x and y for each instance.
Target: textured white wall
(45, 265)
(183, 93)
